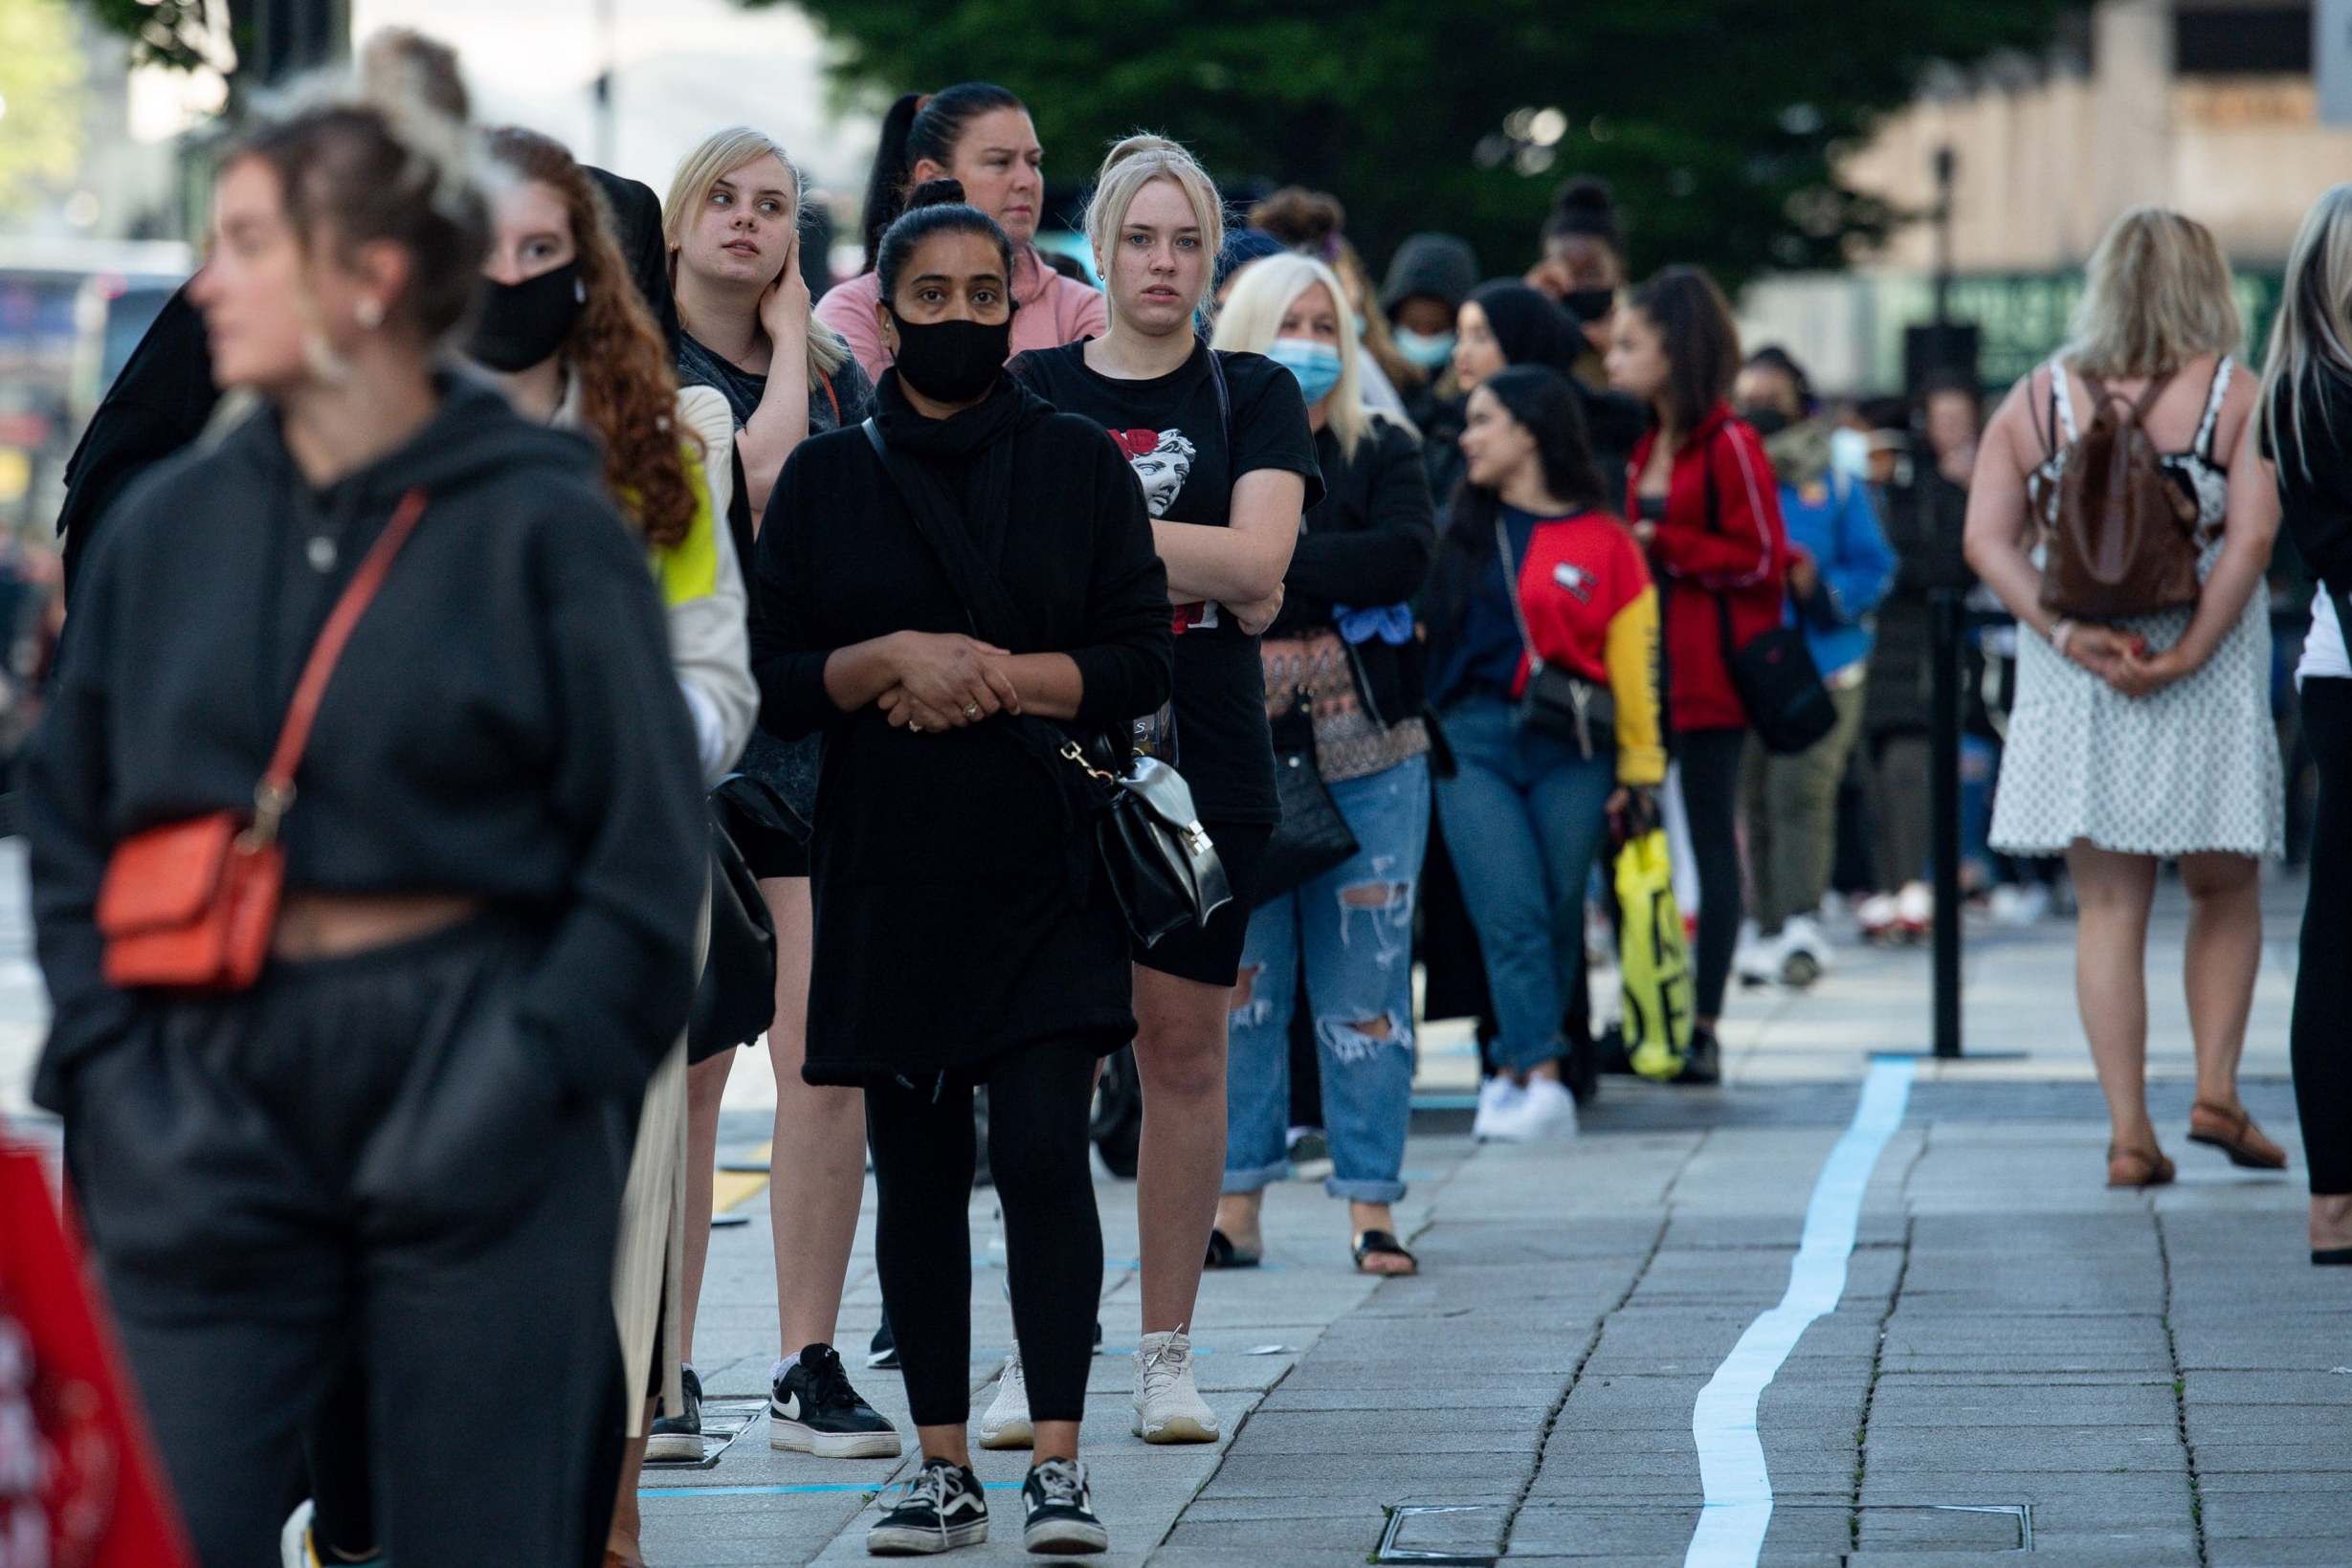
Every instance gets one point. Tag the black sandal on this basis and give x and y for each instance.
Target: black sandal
(1224, 1254)
(1380, 1244)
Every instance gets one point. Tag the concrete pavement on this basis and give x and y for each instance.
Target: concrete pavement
(2020, 1360)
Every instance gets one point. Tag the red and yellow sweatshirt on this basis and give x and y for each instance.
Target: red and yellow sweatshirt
(1592, 610)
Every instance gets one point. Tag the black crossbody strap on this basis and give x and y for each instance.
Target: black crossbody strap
(1722, 602)
(988, 608)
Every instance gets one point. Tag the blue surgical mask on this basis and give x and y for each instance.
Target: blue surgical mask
(1316, 365)
(1850, 452)
(1429, 350)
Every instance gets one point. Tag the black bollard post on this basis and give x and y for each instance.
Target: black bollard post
(1943, 793)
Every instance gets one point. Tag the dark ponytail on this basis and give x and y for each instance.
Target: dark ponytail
(920, 126)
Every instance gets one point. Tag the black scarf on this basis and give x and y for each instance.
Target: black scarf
(958, 472)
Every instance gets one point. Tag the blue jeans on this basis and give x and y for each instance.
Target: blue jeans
(1352, 928)
(1524, 818)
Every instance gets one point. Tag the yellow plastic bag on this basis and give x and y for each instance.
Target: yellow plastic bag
(1653, 959)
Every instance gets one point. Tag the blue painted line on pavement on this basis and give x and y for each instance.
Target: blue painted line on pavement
(1731, 1461)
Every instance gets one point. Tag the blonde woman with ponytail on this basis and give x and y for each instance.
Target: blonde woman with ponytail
(2307, 424)
(1221, 446)
(399, 1151)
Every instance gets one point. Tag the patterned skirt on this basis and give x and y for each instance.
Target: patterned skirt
(2193, 768)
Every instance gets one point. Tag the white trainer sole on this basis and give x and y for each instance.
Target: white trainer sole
(1177, 1430)
(886, 1540)
(795, 1437)
(1066, 1536)
(1012, 1434)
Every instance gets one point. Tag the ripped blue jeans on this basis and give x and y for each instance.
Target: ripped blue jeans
(1352, 930)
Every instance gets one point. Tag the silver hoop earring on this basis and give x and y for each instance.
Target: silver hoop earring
(369, 314)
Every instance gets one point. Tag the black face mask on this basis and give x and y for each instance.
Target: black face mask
(1766, 422)
(1589, 305)
(952, 360)
(523, 325)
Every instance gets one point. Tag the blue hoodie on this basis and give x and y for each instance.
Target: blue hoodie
(1829, 517)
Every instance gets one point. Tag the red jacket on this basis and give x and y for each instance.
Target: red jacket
(1722, 539)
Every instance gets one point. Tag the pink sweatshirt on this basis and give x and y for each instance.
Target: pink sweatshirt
(1053, 310)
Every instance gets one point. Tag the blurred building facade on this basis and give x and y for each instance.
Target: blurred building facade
(2209, 106)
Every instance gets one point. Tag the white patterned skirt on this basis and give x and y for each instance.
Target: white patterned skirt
(2192, 768)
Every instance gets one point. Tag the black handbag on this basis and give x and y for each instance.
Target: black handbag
(1312, 836)
(1774, 676)
(1164, 871)
(735, 996)
(1557, 702)
(1162, 866)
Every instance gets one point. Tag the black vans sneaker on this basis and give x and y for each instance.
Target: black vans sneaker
(1061, 1511)
(675, 1438)
(812, 1409)
(1704, 1064)
(943, 1509)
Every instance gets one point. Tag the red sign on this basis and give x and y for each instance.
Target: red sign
(78, 1485)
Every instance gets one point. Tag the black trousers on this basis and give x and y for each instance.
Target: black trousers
(921, 1137)
(2322, 1035)
(1709, 761)
(366, 1165)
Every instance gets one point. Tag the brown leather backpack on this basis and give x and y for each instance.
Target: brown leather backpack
(2124, 538)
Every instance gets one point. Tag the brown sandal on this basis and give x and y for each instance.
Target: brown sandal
(2137, 1167)
(2235, 1134)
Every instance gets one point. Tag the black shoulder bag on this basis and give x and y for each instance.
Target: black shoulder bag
(1555, 702)
(1162, 869)
(1773, 673)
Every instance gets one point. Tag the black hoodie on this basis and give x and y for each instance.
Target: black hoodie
(503, 724)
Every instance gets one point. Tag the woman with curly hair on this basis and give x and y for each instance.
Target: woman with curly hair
(573, 344)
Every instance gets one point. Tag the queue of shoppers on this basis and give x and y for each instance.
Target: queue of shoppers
(1176, 663)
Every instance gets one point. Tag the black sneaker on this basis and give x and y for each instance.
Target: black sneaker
(672, 1439)
(882, 1355)
(1705, 1062)
(943, 1509)
(812, 1409)
(1061, 1512)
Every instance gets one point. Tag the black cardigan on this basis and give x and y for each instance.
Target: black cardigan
(960, 911)
(1368, 543)
(503, 724)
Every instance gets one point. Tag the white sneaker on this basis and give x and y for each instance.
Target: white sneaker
(1169, 1408)
(1757, 960)
(1805, 952)
(294, 1541)
(1496, 1097)
(1915, 909)
(2015, 905)
(1544, 1113)
(1878, 916)
(1006, 1424)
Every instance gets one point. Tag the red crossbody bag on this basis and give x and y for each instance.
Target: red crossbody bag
(191, 905)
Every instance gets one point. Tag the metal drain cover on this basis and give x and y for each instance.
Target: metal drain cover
(1444, 1532)
(723, 1421)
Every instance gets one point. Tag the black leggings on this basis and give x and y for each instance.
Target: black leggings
(1038, 1100)
(2322, 980)
(1710, 762)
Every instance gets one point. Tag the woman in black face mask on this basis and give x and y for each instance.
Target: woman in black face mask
(562, 328)
(999, 596)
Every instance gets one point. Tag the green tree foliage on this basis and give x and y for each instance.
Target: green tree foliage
(40, 99)
(1716, 119)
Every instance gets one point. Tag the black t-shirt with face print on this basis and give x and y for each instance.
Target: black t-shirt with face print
(1187, 453)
